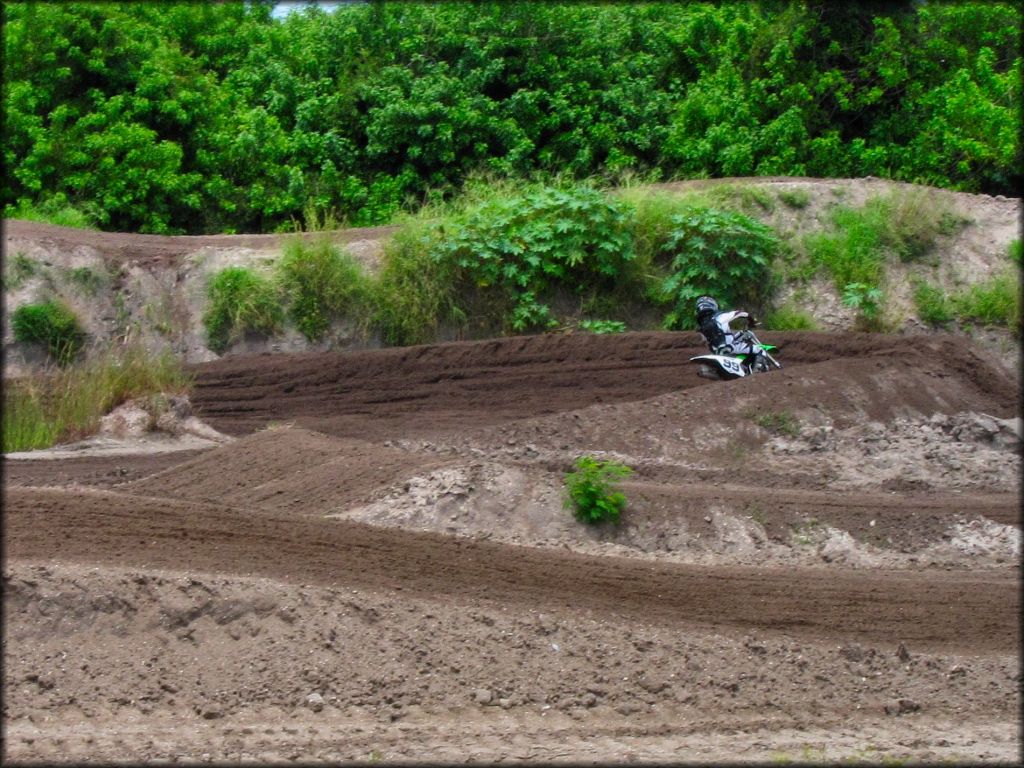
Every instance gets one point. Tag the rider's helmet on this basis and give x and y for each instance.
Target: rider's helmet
(706, 306)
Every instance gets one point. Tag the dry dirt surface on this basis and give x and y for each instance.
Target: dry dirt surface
(816, 564)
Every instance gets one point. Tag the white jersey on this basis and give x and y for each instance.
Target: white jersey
(723, 319)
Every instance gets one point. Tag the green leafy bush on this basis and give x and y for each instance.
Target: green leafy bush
(240, 301)
(518, 248)
(591, 490)
(722, 253)
(51, 324)
(320, 282)
(218, 116)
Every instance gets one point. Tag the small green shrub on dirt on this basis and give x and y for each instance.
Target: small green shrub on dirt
(722, 253)
(320, 282)
(240, 300)
(591, 491)
(602, 326)
(787, 318)
(519, 248)
(867, 300)
(933, 305)
(1014, 251)
(51, 324)
(67, 404)
(749, 198)
(993, 302)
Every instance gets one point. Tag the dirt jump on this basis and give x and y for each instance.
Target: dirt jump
(815, 564)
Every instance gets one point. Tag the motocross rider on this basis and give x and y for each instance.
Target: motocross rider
(714, 327)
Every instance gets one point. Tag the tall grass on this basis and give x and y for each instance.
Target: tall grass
(320, 282)
(993, 302)
(857, 241)
(414, 291)
(240, 300)
(933, 305)
(64, 404)
(789, 318)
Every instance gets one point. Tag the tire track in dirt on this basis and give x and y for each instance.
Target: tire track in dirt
(976, 611)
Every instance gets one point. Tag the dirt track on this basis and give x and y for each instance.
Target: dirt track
(382, 553)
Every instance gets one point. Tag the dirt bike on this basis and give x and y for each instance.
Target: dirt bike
(735, 366)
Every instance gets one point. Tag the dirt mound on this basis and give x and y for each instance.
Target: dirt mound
(284, 469)
(382, 553)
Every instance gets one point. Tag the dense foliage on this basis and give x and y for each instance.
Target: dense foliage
(522, 246)
(216, 117)
(721, 253)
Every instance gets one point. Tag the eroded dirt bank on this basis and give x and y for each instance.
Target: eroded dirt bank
(817, 564)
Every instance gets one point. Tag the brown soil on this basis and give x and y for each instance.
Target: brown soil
(380, 567)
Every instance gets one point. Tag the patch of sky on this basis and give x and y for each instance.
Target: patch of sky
(283, 9)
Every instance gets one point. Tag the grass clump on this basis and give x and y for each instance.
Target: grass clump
(591, 490)
(778, 422)
(795, 198)
(1014, 252)
(51, 324)
(788, 318)
(240, 301)
(67, 403)
(993, 302)
(19, 269)
(414, 291)
(89, 280)
(320, 282)
(602, 326)
(933, 305)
